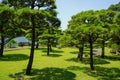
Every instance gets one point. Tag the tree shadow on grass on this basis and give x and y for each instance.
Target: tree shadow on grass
(96, 61)
(53, 55)
(14, 57)
(57, 51)
(102, 73)
(73, 59)
(40, 49)
(54, 51)
(45, 74)
(74, 68)
(87, 60)
(114, 57)
(74, 52)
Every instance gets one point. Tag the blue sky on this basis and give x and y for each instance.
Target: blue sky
(67, 8)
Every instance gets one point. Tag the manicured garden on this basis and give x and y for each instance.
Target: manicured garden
(62, 64)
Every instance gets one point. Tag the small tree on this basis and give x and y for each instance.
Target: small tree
(12, 42)
(77, 32)
(50, 35)
(77, 39)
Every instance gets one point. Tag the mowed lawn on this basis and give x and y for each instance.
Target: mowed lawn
(60, 65)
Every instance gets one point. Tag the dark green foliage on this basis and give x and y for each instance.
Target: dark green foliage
(7, 28)
(116, 29)
(48, 4)
(115, 7)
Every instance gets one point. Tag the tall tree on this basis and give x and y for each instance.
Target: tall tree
(78, 36)
(32, 4)
(116, 31)
(6, 19)
(29, 16)
(40, 27)
(105, 21)
(85, 25)
(116, 25)
(92, 30)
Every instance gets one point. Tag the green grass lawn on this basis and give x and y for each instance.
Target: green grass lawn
(60, 65)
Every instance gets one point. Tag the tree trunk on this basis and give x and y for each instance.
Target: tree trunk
(2, 46)
(37, 45)
(91, 55)
(103, 49)
(81, 49)
(10, 45)
(29, 66)
(80, 54)
(48, 50)
(51, 48)
(48, 47)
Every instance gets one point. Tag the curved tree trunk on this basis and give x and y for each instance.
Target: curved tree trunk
(29, 66)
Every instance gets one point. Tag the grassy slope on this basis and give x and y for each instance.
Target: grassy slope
(60, 65)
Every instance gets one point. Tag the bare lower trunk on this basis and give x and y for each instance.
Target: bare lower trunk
(37, 45)
(80, 54)
(48, 50)
(103, 49)
(48, 47)
(2, 46)
(91, 55)
(51, 48)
